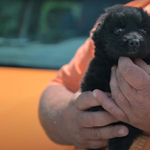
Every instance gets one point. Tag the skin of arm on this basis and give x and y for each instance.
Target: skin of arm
(65, 121)
(53, 100)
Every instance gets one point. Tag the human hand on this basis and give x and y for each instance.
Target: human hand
(130, 88)
(89, 129)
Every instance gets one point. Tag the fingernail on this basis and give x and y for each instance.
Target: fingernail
(94, 94)
(122, 132)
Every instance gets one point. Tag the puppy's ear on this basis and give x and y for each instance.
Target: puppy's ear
(99, 23)
(94, 35)
(145, 17)
(101, 20)
(112, 8)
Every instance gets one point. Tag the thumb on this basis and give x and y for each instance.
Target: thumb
(133, 74)
(139, 62)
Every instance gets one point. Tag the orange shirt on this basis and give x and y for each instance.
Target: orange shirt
(70, 75)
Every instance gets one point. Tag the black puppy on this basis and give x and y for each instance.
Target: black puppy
(121, 31)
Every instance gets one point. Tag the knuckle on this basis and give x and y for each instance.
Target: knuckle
(82, 119)
(95, 134)
(77, 101)
(89, 120)
(111, 110)
(86, 120)
(85, 97)
(109, 119)
(82, 97)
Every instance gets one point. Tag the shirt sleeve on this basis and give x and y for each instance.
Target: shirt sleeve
(70, 75)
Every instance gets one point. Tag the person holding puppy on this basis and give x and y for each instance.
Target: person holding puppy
(62, 107)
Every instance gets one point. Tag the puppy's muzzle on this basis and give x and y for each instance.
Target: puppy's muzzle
(134, 43)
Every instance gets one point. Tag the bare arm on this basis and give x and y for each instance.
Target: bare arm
(53, 100)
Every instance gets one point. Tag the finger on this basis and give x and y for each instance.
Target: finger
(115, 90)
(115, 80)
(119, 98)
(110, 106)
(139, 62)
(86, 100)
(96, 144)
(106, 132)
(128, 92)
(96, 119)
(133, 74)
(108, 94)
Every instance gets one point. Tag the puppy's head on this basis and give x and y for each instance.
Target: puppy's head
(123, 31)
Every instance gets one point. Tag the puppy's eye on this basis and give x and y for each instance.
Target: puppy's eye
(143, 31)
(118, 30)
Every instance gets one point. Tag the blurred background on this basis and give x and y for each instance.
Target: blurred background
(37, 37)
(37, 33)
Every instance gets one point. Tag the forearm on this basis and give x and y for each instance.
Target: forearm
(52, 103)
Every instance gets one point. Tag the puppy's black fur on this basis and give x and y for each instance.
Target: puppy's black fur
(121, 31)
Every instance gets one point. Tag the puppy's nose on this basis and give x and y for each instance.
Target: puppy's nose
(134, 43)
